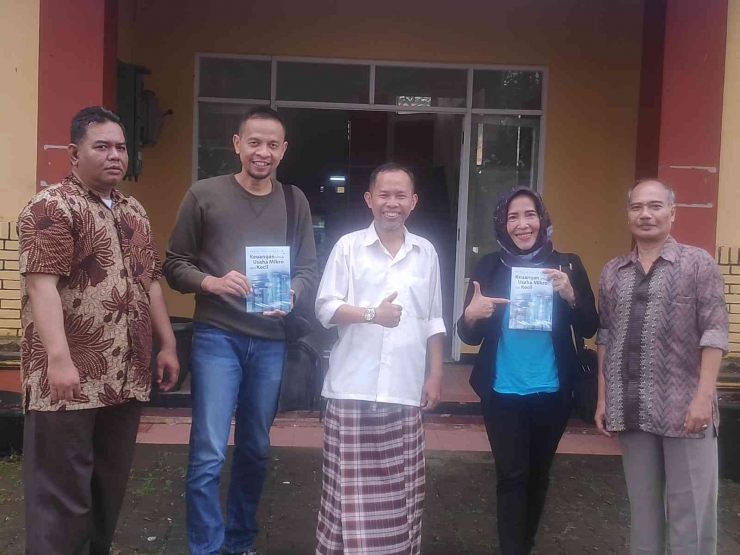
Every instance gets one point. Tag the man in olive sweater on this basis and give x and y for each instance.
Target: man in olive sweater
(237, 357)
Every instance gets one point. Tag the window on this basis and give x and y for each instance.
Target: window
(443, 87)
(315, 82)
(217, 123)
(507, 90)
(468, 132)
(234, 78)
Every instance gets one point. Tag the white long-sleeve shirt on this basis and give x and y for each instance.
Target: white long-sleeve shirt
(370, 362)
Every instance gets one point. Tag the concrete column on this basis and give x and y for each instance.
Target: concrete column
(76, 69)
(691, 114)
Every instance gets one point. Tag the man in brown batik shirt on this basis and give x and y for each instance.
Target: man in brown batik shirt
(91, 299)
(663, 331)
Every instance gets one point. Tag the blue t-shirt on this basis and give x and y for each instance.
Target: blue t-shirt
(525, 361)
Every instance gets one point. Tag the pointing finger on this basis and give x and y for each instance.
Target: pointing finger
(496, 300)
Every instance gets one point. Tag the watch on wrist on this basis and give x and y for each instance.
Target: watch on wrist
(369, 315)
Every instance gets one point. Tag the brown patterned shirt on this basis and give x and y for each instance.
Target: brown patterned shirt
(654, 327)
(107, 262)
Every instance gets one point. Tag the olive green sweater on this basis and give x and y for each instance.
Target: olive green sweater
(217, 219)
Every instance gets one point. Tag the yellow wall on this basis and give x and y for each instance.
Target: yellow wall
(19, 66)
(592, 50)
(728, 230)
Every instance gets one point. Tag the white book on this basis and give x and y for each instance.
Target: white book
(268, 271)
(531, 300)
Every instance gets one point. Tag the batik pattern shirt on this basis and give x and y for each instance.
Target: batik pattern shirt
(654, 327)
(107, 261)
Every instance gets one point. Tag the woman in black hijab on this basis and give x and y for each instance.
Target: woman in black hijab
(527, 358)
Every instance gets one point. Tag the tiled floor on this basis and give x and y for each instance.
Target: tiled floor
(460, 434)
(443, 432)
(455, 386)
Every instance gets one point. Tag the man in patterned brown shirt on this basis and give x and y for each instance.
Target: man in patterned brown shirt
(91, 299)
(664, 329)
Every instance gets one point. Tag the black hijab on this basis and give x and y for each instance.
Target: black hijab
(511, 255)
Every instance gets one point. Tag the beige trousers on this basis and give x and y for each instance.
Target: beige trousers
(672, 487)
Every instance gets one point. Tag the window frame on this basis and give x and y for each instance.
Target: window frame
(466, 141)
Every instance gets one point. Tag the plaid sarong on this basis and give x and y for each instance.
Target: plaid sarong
(373, 479)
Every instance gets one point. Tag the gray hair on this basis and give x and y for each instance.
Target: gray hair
(670, 193)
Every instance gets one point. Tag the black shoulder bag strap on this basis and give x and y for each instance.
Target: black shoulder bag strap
(290, 217)
(291, 331)
(296, 326)
(585, 389)
(580, 341)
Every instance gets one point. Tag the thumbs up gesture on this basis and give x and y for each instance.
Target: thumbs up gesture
(481, 307)
(388, 314)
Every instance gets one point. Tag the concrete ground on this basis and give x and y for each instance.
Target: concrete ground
(587, 510)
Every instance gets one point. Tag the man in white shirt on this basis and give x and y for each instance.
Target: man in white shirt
(381, 288)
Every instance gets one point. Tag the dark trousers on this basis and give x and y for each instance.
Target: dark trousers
(75, 470)
(524, 432)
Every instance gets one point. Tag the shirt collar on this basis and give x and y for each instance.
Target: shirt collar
(669, 253)
(115, 195)
(371, 237)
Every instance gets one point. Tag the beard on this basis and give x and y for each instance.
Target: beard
(390, 225)
(257, 176)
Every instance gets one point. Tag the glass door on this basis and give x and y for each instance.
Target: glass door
(504, 153)
(332, 154)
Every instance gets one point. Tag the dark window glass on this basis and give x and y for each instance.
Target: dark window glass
(507, 90)
(311, 82)
(420, 86)
(234, 78)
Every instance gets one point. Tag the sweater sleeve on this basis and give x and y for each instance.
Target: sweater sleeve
(181, 263)
(305, 272)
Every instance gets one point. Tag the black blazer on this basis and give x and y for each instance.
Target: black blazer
(494, 278)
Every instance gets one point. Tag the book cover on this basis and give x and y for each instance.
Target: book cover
(268, 271)
(531, 300)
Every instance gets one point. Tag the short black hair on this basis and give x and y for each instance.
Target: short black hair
(86, 117)
(260, 112)
(391, 167)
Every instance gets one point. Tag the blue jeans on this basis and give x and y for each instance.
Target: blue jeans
(229, 370)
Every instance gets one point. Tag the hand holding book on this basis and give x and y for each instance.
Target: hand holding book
(279, 312)
(561, 284)
(232, 283)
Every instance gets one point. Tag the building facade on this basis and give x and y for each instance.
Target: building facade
(576, 99)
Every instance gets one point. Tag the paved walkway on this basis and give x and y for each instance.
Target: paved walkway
(443, 433)
(587, 508)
